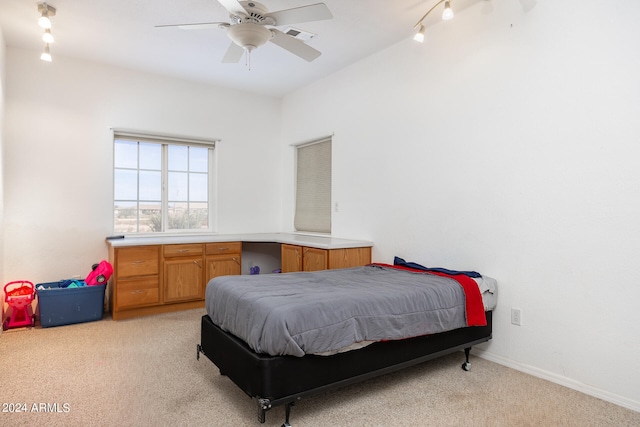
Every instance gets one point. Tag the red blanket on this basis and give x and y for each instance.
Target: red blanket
(473, 299)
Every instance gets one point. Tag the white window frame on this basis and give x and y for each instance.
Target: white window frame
(312, 210)
(166, 140)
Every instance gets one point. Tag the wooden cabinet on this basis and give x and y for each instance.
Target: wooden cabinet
(183, 273)
(303, 258)
(314, 259)
(150, 279)
(349, 257)
(222, 259)
(136, 279)
(291, 258)
(158, 278)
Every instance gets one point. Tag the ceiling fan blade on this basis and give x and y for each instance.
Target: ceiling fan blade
(234, 7)
(295, 46)
(314, 12)
(233, 55)
(196, 26)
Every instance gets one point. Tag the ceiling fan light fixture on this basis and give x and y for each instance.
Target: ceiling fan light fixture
(448, 12)
(248, 35)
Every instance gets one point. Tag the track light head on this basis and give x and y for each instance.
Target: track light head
(419, 37)
(47, 37)
(46, 56)
(46, 12)
(448, 12)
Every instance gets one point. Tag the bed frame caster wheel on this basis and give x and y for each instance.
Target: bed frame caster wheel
(466, 366)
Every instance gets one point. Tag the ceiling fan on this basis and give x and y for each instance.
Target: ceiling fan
(252, 25)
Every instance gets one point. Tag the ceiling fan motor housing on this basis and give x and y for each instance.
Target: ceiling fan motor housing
(256, 13)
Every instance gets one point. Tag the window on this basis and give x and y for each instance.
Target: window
(313, 187)
(161, 184)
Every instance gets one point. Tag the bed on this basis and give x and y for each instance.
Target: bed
(282, 337)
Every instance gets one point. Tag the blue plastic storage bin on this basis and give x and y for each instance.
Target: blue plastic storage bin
(65, 306)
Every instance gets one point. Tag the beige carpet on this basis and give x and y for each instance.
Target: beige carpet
(143, 372)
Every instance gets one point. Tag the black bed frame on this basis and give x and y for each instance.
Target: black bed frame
(277, 380)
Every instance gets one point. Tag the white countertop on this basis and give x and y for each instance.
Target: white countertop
(314, 241)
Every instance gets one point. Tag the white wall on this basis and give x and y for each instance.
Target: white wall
(507, 143)
(58, 148)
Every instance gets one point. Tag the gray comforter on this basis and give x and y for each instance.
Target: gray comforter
(311, 313)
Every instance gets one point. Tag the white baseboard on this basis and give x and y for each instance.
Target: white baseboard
(559, 379)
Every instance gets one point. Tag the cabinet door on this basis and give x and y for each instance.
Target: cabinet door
(291, 258)
(183, 279)
(222, 265)
(351, 257)
(314, 259)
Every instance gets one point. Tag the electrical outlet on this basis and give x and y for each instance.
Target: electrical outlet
(516, 317)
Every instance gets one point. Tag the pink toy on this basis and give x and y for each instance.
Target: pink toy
(100, 273)
(19, 299)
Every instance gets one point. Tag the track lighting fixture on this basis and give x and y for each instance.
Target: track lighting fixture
(46, 12)
(446, 15)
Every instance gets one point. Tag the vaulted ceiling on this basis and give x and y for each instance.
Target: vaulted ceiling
(124, 33)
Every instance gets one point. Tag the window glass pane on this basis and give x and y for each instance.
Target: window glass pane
(125, 154)
(150, 186)
(125, 186)
(150, 156)
(178, 216)
(178, 190)
(198, 159)
(125, 217)
(178, 158)
(198, 215)
(160, 186)
(150, 217)
(198, 187)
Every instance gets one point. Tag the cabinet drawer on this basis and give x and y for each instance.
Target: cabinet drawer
(138, 292)
(223, 248)
(182, 250)
(137, 261)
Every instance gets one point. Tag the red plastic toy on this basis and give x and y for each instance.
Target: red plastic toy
(19, 299)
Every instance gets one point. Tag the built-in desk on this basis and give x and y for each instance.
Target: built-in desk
(168, 273)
